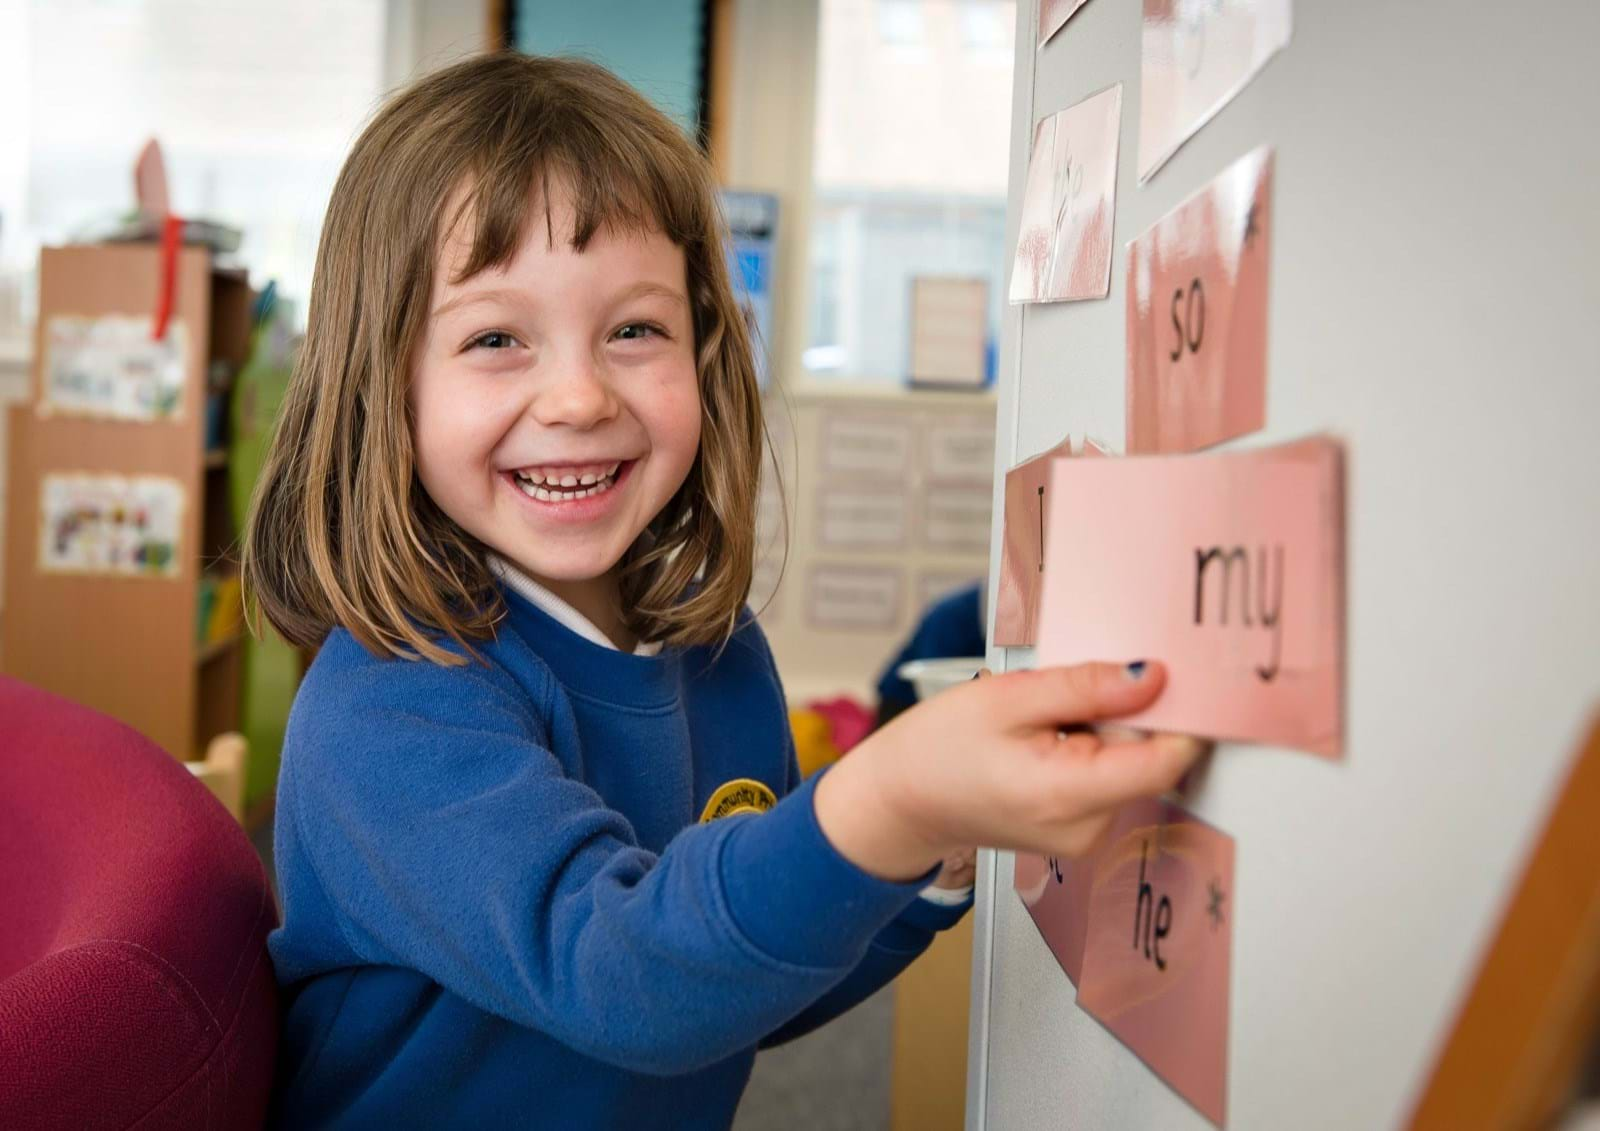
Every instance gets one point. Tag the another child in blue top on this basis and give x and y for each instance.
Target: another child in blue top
(543, 850)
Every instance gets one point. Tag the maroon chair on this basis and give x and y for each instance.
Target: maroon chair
(135, 988)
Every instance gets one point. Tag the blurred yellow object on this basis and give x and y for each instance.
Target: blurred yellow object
(223, 771)
(813, 741)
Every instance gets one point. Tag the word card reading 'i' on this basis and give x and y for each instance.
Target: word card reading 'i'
(1158, 947)
(1226, 567)
(1197, 315)
(1016, 606)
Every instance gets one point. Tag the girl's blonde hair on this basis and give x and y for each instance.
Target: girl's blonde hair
(340, 530)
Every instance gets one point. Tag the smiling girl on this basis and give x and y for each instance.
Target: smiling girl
(543, 850)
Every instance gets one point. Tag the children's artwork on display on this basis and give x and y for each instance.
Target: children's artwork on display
(1053, 16)
(1197, 315)
(1064, 242)
(1194, 58)
(859, 598)
(752, 248)
(1157, 947)
(112, 366)
(949, 331)
(1022, 544)
(109, 524)
(1228, 566)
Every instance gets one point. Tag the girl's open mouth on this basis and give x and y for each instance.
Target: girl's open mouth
(568, 484)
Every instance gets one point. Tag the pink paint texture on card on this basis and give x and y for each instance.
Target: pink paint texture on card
(1064, 242)
(1053, 15)
(1016, 608)
(1055, 890)
(1158, 948)
(1226, 567)
(1197, 315)
(1194, 58)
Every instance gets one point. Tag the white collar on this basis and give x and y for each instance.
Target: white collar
(558, 610)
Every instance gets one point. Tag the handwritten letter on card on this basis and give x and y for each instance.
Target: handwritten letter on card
(1197, 315)
(1064, 243)
(1158, 947)
(1227, 567)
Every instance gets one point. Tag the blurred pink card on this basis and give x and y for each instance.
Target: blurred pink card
(1016, 606)
(1064, 242)
(1053, 15)
(1055, 890)
(1197, 315)
(1227, 567)
(1194, 58)
(1158, 948)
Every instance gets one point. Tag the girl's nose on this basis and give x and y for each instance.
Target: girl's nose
(578, 398)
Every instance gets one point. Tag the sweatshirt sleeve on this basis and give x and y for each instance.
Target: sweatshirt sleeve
(893, 949)
(447, 839)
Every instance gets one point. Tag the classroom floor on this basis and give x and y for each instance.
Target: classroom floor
(836, 1079)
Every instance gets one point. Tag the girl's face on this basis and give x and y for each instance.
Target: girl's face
(556, 404)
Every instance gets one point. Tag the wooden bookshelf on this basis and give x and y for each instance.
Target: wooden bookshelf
(130, 646)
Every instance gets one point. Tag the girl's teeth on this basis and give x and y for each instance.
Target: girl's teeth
(550, 489)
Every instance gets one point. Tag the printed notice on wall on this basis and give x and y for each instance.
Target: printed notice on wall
(110, 366)
(861, 520)
(1195, 57)
(1068, 204)
(867, 444)
(1157, 947)
(108, 524)
(957, 518)
(960, 450)
(1229, 566)
(854, 597)
(1197, 315)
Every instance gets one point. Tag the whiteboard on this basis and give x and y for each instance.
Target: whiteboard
(1435, 303)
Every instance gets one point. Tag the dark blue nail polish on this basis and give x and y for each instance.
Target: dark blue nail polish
(1135, 670)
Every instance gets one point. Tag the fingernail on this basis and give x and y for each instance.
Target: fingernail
(1135, 670)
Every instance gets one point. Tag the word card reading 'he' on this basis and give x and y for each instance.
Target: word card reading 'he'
(1197, 315)
(1158, 947)
(1016, 606)
(1226, 567)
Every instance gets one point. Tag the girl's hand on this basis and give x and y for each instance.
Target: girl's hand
(960, 870)
(991, 763)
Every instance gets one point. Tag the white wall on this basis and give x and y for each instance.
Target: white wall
(1434, 304)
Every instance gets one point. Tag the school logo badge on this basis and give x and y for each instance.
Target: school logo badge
(741, 795)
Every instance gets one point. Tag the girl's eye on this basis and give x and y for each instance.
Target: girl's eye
(492, 340)
(637, 331)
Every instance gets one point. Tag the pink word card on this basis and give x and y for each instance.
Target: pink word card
(1197, 315)
(1016, 607)
(1194, 58)
(1227, 567)
(1053, 16)
(1158, 947)
(1064, 242)
(1055, 890)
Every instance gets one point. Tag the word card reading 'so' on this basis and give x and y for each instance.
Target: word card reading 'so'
(1226, 567)
(1197, 315)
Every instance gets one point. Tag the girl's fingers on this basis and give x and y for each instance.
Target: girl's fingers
(1124, 771)
(1050, 697)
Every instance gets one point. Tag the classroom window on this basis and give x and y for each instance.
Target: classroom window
(255, 106)
(910, 178)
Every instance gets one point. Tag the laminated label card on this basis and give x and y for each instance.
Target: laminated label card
(1227, 567)
(1197, 315)
(1158, 947)
(1194, 57)
(1064, 242)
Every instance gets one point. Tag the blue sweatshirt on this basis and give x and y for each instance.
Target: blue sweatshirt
(500, 907)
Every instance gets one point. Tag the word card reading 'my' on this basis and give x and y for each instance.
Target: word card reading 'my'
(1158, 947)
(1227, 567)
(1197, 315)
